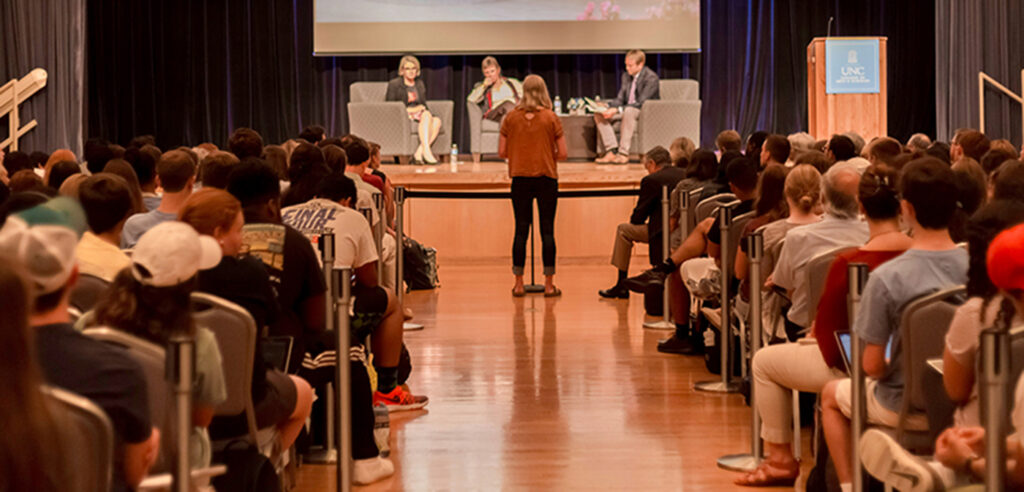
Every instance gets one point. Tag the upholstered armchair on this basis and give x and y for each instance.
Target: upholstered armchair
(386, 122)
(675, 114)
(483, 134)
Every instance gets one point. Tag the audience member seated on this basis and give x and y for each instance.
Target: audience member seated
(839, 227)
(644, 224)
(884, 150)
(970, 143)
(143, 160)
(277, 157)
(971, 193)
(279, 400)
(755, 143)
(769, 206)
(840, 148)
(313, 134)
(807, 366)
(705, 238)
(43, 239)
(775, 150)
(334, 157)
(215, 169)
(151, 301)
(25, 180)
(681, 150)
(727, 140)
(638, 84)
(358, 152)
(995, 158)
(1007, 182)
(306, 168)
(815, 158)
(96, 152)
(918, 142)
(389, 193)
(59, 172)
(799, 143)
(933, 262)
(122, 168)
(701, 170)
(176, 174)
(107, 204)
(245, 142)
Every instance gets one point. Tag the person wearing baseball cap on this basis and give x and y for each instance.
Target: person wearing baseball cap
(43, 240)
(151, 300)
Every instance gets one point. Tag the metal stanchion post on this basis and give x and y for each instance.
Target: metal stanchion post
(400, 254)
(342, 387)
(726, 385)
(857, 278)
(995, 381)
(747, 462)
(326, 245)
(378, 234)
(666, 320)
(180, 372)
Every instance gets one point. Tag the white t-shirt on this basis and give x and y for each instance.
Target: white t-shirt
(353, 240)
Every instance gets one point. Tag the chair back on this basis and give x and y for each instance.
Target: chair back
(1016, 354)
(367, 91)
(235, 331)
(735, 230)
(816, 272)
(87, 437)
(707, 206)
(687, 215)
(87, 292)
(151, 358)
(675, 89)
(923, 326)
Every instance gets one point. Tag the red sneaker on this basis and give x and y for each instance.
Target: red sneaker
(399, 400)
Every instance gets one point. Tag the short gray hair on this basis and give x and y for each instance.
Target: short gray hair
(839, 192)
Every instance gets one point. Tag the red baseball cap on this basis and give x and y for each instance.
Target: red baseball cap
(1006, 259)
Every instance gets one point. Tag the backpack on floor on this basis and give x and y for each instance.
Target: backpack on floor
(420, 265)
(248, 470)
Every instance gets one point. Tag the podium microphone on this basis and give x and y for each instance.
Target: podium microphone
(828, 31)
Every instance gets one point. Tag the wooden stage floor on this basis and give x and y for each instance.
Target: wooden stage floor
(550, 394)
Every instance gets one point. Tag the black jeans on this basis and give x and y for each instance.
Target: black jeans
(524, 191)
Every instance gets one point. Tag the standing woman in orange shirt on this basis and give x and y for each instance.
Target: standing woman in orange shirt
(532, 141)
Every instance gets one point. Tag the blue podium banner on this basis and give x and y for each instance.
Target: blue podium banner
(851, 66)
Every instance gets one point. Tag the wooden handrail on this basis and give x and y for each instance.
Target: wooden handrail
(982, 79)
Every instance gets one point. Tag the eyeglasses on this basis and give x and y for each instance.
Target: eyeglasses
(409, 68)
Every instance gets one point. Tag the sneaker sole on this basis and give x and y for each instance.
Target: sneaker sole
(887, 461)
(403, 408)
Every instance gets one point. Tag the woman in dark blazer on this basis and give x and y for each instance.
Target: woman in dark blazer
(409, 89)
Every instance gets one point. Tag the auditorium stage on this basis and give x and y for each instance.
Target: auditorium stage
(463, 229)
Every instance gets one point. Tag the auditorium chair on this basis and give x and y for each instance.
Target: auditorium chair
(388, 124)
(87, 291)
(675, 114)
(87, 437)
(816, 273)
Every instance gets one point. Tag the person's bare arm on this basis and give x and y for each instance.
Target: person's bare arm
(202, 415)
(957, 378)
(139, 458)
(502, 147)
(366, 275)
(873, 360)
(741, 265)
(561, 150)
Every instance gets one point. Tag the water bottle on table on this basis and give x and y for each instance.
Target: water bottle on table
(454, 160)
(558, 105)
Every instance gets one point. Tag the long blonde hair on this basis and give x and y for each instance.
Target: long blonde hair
(535, 94)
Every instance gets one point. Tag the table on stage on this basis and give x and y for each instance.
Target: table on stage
(580, 136)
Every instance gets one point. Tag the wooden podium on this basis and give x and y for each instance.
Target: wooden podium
(828, 114)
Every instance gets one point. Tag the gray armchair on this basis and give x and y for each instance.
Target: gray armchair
(386, 122)
(675, 114)
(483, 134)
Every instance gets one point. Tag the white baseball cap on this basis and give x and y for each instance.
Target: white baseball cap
(43, 240)
(171, 253)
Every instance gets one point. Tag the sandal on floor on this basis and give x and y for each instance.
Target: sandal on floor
(518, 293)
(769, 475)
(555, 293)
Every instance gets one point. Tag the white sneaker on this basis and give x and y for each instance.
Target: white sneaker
(369, 470)
(887, 461)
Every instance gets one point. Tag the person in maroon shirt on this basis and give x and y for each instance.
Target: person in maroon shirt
(810, 363)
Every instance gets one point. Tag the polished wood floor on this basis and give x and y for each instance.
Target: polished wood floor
(550, 394)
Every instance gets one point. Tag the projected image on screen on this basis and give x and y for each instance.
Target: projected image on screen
(506, 10)
(504, 26)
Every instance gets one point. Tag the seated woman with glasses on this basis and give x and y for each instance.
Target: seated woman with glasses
(409, 89)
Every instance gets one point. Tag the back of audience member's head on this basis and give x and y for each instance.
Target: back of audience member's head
(25, 180)
(337, 187)
(681, 149)
(877, 192)
(143, 160)
(659, 156)
(215, 169)
(120, 167)
(277, 157)
(754, 143)
(313, 133)
(971, 184)
(728, 140)
(254, 183)
(771, 199)
(803, 188)
(335, 158)
(245, 142)
(973, 144)
(929, 186)
(211, 211)
(16, 161)
(884, 150)
(96, 153)
(374, 155)
(703, 165)
(815, 158)
(305, 171)
(904, 158)
(107, 201)
(305, 158)
(357, 150)
(69, 187)
(58, 155)
(839, 187)
(723, 164)
(176, 169)
(140, 141)
(799, 143)
(1007, 182)
(858, 141)
(5, 193)
(940, 151)
(820, 145)
(777, 147)
(1003, 144)
(918, 142)
(38, 159)
(995, 158)
(841, 148)
(741, 173)
(329, 141)
(17, 202)
(982, 228)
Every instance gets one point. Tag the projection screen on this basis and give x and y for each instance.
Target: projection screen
(349, 27)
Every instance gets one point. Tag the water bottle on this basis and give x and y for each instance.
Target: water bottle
(558, 105)
(454, 160)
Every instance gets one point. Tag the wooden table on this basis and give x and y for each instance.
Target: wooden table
(580, 136)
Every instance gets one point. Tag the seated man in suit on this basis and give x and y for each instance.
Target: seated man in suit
(639, 84)
(661, 172)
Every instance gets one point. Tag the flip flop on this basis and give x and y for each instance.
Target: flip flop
(518, 293)
(555, 293)
(768, 475)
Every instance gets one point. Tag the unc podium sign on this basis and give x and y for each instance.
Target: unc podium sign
(852, 66)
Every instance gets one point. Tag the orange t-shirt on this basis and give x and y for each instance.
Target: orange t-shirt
(530, 142)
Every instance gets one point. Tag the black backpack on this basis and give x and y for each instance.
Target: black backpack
(420, 265)
(248, 470)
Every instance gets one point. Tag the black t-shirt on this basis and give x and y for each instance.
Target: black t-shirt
(105, 374)
(294, 271)
(715, 233)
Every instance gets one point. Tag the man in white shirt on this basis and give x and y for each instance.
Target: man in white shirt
(358, 153)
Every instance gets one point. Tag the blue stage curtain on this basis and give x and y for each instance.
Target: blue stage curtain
(189, 72)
